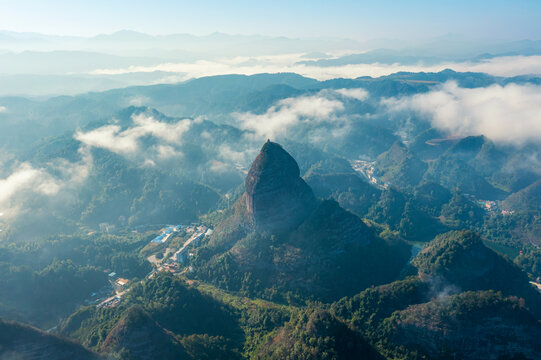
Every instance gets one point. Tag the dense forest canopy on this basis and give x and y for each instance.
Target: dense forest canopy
(268, 216)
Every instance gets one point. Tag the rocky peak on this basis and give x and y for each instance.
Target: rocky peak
(277, 198)
(272, 166)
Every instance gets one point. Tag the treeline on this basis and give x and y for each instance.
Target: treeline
(42, 297)
(43, 281)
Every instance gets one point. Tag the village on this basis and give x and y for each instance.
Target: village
(172, 260)
(175, 258)
(367, 170)
(490, 206)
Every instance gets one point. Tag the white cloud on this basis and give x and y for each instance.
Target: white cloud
(138, 100)
(166, 152)
(220, 167)
(23, 178)
(109, 137)
(113, 138)
(52, 186)
(499, 66)
(149, 163)
(3, 109)
(241, 156)
(357, 94)
(25, 181)
(289, 112)
(507, 114)
(504, 65)
(74, 173)
(147, 125)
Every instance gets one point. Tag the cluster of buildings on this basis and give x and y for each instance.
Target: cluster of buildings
(116, 281)
(489, 205)
(106, 227)
(170, 229)
(118, 284)
(99, 296)
(112, 301)
(367, 170)
(180, 257)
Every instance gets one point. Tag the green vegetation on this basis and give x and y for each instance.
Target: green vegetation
(315, 334)
(462, 260)
(400, 167)
(464, 325)
(24, 342)
(169, 301)
(341, 283)
(373, 305)
(199, 320)
(303, 264)
(41, 297)
(44, 281)
(142, 195)
(530, 261)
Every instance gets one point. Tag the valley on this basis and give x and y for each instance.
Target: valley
(171, 260)
(306, 237)
(270, 180)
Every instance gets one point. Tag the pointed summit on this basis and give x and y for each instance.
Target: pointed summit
(277, 198)
(286, 239)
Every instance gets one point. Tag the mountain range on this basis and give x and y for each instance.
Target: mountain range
(279, 242)
(270, 216)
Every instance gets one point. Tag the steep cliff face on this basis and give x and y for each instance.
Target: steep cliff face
(277, 198)
(278, 236)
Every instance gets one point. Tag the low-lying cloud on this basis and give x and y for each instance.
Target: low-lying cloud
(503, 65)
(26, 181)
(290, 112)
(26, 177)
(498, 66)
(357, 94)
(508, 114)
(125, 142)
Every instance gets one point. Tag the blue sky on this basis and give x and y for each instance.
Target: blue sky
(517, 19)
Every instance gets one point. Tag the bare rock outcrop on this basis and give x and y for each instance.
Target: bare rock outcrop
(277, 198)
